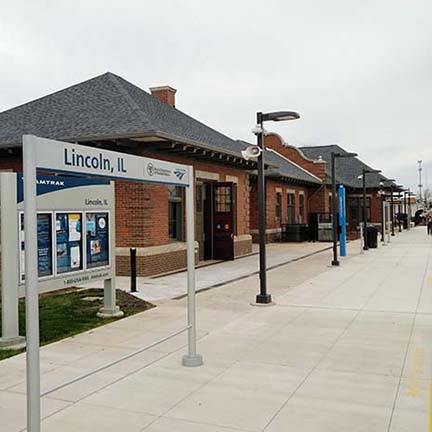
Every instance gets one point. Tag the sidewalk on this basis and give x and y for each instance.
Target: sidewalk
(175, 285)
(344, 349)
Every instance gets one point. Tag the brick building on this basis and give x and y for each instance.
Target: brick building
(349, 173)
(111, 113)
(290, 189)
(317, 160)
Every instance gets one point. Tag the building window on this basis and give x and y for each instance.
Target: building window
(356, 209)
(175, 212)
(223, 199)
(301, 208)
(290, 208)
(278, 208)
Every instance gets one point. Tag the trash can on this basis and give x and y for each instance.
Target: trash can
(405, 220)
(372, 237)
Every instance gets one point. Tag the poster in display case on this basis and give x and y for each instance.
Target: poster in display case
(97, 230)
(69, 242)
(44, 241)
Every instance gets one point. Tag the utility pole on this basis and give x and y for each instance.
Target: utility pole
(420, 185)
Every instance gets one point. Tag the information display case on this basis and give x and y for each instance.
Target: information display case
(97, 234)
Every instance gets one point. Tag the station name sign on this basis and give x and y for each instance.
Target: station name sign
(66, 157)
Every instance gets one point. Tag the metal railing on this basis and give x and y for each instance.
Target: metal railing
(113, 363)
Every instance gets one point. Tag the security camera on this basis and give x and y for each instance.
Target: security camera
(251, 153)
(257, 130)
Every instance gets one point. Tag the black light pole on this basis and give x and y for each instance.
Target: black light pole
(335, 155)
(366, 171)
(264, 297)
(382, 193)
(399, 213)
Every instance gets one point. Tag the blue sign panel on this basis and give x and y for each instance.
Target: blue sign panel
(47, 184)
(69, 242)
(44, 241)
(342, 220)
(97, 229)
(44, 237)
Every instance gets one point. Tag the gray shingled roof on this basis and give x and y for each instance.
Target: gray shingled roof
(284, 168)
(347, 169)
(107, 106)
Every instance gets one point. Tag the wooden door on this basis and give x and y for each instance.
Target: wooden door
(223, 220)
(200, 192)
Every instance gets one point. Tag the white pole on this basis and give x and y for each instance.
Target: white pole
(191, 359)
(10, 338)
(31, 285)
(361, 238)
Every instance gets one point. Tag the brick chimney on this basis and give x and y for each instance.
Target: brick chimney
(165, 94)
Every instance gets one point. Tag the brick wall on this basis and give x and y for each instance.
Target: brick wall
(141, 214)
(152, 264)
(274, 223)
(319, 200)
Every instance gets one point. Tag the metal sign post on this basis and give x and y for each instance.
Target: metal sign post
(31, 285)
(192, 358)
(59, 156)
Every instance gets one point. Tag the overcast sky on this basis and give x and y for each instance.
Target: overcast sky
(359, 73)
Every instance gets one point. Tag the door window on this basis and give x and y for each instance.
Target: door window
(223, 199)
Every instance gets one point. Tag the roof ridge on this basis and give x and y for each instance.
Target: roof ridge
(293, 163)
(135, 107)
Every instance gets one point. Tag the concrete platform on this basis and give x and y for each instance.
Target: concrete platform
(343, 349)
(220, 273)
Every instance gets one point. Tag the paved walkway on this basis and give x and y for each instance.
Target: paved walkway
(344, 349)
(175, 285)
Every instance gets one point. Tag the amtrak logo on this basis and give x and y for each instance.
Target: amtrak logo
(180, 173)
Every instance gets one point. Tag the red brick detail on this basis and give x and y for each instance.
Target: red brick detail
(153, 264)
(276, 143)
(141, 214)
(165, 94)
(319, 200)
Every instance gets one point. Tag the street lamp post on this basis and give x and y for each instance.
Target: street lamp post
(366, 171)
(382, 193)
(264, 297)
(334, 156)
(383, 199)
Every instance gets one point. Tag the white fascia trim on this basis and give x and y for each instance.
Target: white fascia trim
(293, 163)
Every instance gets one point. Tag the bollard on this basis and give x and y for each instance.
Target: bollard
(361, 239)
(133, 275)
